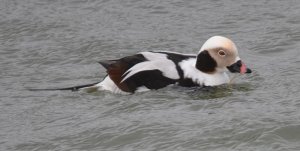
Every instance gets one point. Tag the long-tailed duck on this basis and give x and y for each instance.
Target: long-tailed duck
(155, 70)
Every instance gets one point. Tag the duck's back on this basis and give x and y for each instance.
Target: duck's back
(151, 70)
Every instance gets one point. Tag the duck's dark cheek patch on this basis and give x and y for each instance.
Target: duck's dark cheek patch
(205, 62)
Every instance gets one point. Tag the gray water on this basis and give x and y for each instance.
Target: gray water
(53, 43)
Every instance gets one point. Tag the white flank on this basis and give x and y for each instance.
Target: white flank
(156, 61)
(189, 71)
(142, 89)
(109, 85)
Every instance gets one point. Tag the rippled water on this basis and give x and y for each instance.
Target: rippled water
(55, 43)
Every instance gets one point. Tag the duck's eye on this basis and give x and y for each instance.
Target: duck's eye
(222, 53)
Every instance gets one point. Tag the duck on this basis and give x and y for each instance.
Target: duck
(152, 70)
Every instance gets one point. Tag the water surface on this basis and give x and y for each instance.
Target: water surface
(58, 43)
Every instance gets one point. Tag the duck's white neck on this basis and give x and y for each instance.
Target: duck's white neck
(201, 78)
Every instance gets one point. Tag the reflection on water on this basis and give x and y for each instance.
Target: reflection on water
(194, 92)
(219, 91)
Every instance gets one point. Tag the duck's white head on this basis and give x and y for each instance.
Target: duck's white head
(218, 54)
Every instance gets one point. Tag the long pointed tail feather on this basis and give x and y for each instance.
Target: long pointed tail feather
(74, 88)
